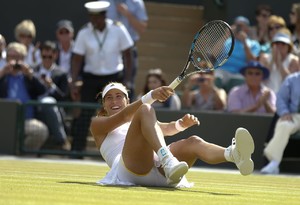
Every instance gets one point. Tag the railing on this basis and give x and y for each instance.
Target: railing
(68, 107)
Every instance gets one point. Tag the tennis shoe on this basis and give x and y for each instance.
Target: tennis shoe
(241, 149)
(270, 169)
(175, 170)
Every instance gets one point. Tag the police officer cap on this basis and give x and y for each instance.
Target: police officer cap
(96, 6)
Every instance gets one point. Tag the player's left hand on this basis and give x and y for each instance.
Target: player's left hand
(189, 120)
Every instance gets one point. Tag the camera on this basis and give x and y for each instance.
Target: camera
(201, 79)
(17, 66)
(238, 28)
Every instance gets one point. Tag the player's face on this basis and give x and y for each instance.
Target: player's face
(114, 101)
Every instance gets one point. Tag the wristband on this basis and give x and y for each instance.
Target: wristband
(147, 98)
(178, 126)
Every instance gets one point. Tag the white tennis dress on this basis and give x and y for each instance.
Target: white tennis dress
(118, 174)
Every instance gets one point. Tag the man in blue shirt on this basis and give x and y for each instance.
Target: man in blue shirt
(17, 82)
(288, 102)
(245, 50)
(133, 14)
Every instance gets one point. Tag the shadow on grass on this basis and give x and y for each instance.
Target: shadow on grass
(189, 190)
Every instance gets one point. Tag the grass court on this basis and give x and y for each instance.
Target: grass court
(26, 181)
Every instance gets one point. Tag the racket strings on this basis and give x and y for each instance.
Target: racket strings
(211, 48)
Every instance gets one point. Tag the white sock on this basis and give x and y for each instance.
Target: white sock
(228, 155)
(274, 163)
(164, 154)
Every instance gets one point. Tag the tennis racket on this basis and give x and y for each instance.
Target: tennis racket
(210, 49)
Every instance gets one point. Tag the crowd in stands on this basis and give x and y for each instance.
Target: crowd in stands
(263, 66)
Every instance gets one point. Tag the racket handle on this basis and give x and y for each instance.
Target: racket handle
(175, 83)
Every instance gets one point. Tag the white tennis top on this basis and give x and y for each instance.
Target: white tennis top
(113, 144)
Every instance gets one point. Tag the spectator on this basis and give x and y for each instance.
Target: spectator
(102, 44)
(288, 104)
(133, 14)
(262, 14)
(56, 82)
(295, 27)
(25, 33)
(2, 51)
(281, 62)
(245, 50)
(17, 82)
(274, 24)
(65, 43)
(253, 96)
(51, 74)
(201, 93)
(154, 79)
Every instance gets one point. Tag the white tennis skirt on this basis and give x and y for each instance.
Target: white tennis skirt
(119, 175)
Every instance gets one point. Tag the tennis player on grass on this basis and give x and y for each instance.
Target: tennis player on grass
(131, 141)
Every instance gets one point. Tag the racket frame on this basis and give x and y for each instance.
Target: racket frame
(183, 74)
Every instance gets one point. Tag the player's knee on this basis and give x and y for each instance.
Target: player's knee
(146, 109)
(194, 139)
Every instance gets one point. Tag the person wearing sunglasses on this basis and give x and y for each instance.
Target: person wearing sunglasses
(17, 83)
(262, 14)
(25, 33)
(295, 27)
(274, 23)
(56, 81)
(65, 43)
(101, 54)
(245, 50)
(253, 96)
(201, 93)
(281, 62)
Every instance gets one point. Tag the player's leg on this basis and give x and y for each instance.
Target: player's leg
(194, 148)
(145, 136)
(239, 152)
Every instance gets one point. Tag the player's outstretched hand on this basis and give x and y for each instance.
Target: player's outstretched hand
(162, 93)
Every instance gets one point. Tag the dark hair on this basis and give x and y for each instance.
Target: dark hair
(156, 72)
(48, 45)
(262, 7)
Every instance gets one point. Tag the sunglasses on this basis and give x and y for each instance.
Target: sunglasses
(62, 32)
(264, 15)
(252, 73)
(47, 57)
(271, 28)
(25, 36)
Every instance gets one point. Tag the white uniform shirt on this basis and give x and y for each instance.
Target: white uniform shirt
(108, 59)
